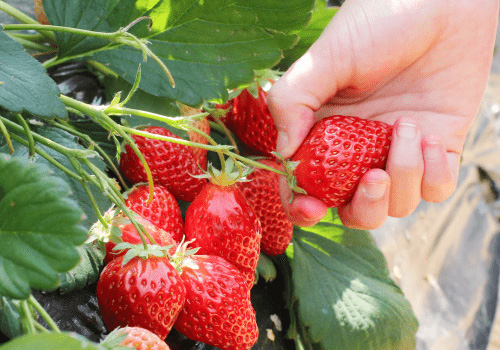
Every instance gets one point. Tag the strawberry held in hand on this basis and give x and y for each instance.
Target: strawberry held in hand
(261, 192)
(145, 291)
(335, 155)
(221, 222)
(163, 211)
(172, 165)
(217, 310)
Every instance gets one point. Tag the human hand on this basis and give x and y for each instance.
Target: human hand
(421, 65)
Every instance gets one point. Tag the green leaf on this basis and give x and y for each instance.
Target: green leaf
(51, 341)
(78, 193)
(39, 228)
(95, 15)
(24, 83)
(208, 46)
(86, 272)
(346, 299)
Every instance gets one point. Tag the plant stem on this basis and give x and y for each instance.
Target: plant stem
(41, 311)
(32, 45)
(99, 116)
(40, 328)
(173, 121)
(23, 18)
(29, 135)
(218, 148)
(63, 125)
(258, 165)
(6, 135)
(28, 317)
(47, 142)
(49, 158)
(40, 27)
(35, 38)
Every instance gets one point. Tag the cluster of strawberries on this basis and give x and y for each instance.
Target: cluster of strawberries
(198, 274)
(204, 290)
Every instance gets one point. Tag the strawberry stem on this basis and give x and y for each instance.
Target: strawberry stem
(6, 136)
(105, 121)
(27, 319)
(41, 311)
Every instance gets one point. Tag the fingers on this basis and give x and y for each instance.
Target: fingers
(440, 170)
(305, 211)
(417, 168)
(369, 207)
(405, 166)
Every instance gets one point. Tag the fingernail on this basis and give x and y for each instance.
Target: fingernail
(432, 151)
(374, 190)
(407, 130)
(282, 142)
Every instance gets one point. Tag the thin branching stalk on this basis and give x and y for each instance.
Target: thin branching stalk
(41, 311)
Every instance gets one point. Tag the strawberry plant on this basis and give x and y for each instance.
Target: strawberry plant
(137, 145)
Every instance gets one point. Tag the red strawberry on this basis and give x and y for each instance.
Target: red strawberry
(163, 211)
(129, 234)
(172, 165)
(145, 292)
(136, 338)
(217, 310)
(263, 196)
(202, 125)
(250, 120)
(222, 223)
(336, 153)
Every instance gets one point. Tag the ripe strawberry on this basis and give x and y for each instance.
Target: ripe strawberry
(129, 234)
(217, 310)
(144, 292)
(336, 153)
(263, 196)
(222, 223)
(202, 125)
(172, 165)
(250, 120)
(163, 211)
(136, 338)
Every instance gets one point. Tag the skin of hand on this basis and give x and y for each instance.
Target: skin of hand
(421, 65)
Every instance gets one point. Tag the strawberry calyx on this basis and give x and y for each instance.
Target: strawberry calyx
(182, 256)
(104, 230)
(114, 339)
(231, 172)
(138, 250)
(289, 168)
(108, 229)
